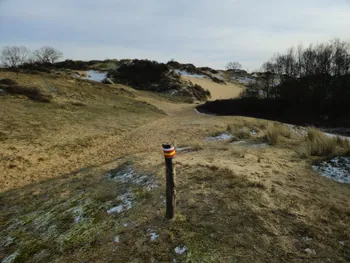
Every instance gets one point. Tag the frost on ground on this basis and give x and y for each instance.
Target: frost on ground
(127, 175)
(185, 73)
(184, 149)
(180, 250)
(10, 258)
(74, 221)
(252, 144)
(95, 75)
(126, 204)
(117, 239)
(337, 169)
(152, 234)
(221, 137)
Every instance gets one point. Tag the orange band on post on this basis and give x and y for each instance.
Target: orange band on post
(169, 153)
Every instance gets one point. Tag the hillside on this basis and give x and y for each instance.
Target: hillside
(84, 179)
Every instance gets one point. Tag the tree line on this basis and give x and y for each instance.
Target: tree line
(14, 56)
(305, 85)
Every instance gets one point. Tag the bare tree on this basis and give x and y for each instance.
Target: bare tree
(233, 65)
(47, 54)
(13, 56)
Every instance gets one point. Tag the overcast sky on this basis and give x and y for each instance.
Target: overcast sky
(203, 32)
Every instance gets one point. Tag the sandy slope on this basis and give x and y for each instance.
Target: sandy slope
(218, 91)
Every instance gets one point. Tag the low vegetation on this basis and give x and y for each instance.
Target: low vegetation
(290, 85)
(157, 77)
(10, 87)
(275, 132)
(318, 144)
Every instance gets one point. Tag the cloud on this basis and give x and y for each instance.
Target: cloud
(203, 32)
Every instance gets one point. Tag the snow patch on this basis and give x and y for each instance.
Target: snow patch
(337, 169)
(184, 149)
(128, 175)
(180, 250)
(251, 144)
(126, 204)
(221, 137)
(152, 234)
(310, 251)
(11, 258)
(117, 239)
(307, 239)
(187, 74)
(95, 75)
(78, 212)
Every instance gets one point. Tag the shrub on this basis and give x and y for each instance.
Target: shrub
(8, 82)
(32, 93)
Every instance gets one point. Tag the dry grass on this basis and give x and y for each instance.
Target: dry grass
(239, 151)
(318, 144)
(196, 145)
(33, 93)
(275, 132)
(240, 134)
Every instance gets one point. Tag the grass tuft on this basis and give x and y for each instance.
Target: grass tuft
(318, 144)
(276, 131)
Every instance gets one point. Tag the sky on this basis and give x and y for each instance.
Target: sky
(202, 32)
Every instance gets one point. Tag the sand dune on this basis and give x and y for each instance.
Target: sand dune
(218, 91)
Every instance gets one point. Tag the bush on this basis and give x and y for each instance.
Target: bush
(32, 93)
(8, 82)
(157, 77)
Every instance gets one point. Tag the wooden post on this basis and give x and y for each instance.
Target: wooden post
(170, 192)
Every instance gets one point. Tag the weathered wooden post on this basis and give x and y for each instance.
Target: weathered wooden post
(169, 153)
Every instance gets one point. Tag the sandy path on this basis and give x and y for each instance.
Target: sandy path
(182, 125)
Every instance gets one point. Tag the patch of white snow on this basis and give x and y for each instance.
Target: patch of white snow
(221, 137)
(180, 250)
(337, 169)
